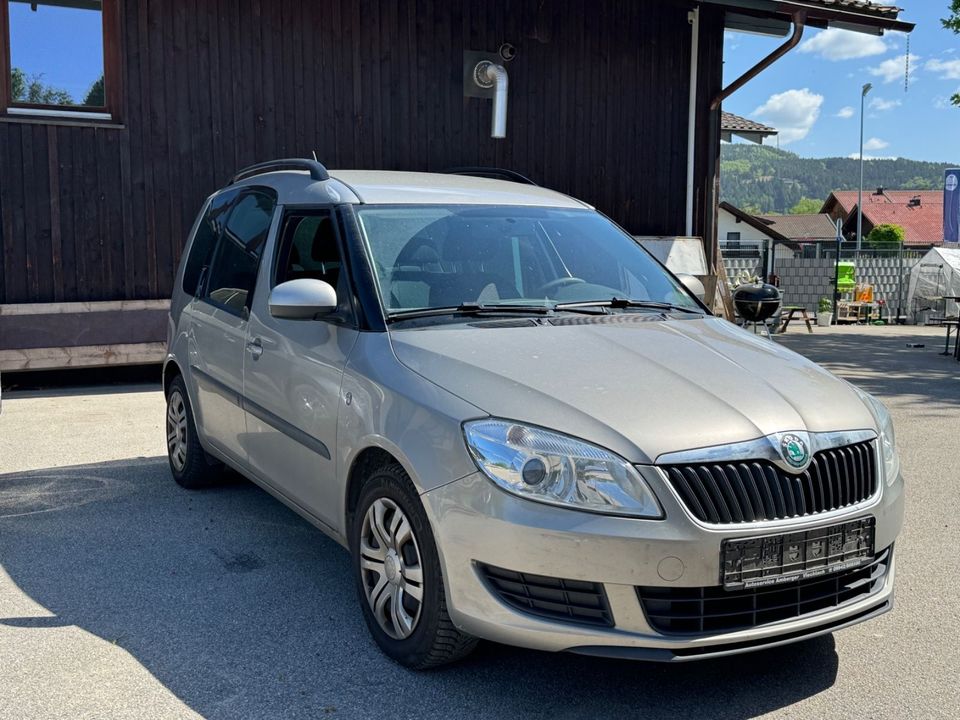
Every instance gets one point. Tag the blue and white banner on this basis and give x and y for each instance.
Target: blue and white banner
(951, 206)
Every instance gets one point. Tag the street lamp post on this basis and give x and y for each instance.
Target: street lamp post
(863, 96)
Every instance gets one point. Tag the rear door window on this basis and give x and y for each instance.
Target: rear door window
(233, 268)
(205, 240)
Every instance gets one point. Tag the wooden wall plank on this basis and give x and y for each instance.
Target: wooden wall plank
(53, 183)
(68, 225)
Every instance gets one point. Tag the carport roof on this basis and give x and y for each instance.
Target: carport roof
(774, 16)
(745, 128)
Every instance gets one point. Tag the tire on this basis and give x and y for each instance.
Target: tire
(190, 464)
(432, 639)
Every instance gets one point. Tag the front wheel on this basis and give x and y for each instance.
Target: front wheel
(399, 580)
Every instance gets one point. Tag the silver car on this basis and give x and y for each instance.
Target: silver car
(523, 427)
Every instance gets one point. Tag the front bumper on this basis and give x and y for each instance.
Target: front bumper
(477, 524)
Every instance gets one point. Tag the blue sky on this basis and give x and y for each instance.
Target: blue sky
(64, 45)
(812, 95)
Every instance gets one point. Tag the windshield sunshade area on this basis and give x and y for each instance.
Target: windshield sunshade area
(455, 256)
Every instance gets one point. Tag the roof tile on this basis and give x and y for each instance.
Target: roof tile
(731, 122)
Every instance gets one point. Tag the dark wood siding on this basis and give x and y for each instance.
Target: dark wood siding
(598, 106)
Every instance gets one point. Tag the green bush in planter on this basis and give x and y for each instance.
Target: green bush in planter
(825, 305)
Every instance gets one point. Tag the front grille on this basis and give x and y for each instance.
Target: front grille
(696, 610)
(753, 490)
(571, 601)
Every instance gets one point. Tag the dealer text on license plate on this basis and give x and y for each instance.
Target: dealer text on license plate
(778, 559)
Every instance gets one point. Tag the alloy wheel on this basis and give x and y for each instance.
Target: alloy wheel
(177, 430)
(391, 568)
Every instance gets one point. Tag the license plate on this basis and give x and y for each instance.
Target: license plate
(780, 559)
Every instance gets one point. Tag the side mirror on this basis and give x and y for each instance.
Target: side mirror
(693, 284)
(302, 299)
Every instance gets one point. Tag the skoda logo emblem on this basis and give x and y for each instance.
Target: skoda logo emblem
(951, 182)
(794, 450)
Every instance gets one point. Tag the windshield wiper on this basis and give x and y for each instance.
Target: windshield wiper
(496, 309)
(471, 309)
(623, 303)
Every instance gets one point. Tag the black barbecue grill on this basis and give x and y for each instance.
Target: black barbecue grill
(756, 303)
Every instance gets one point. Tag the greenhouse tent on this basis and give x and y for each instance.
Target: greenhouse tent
(935, 276)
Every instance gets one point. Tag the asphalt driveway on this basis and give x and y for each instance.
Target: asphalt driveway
(122, 595)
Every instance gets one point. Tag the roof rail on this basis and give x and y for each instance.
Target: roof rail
(491, 172)
(317, 171)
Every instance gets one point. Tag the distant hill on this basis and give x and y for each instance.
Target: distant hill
(763, 179)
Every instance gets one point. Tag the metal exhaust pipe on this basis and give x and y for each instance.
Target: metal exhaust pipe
(488, 75)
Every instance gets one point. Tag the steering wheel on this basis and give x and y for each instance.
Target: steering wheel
(549, 287)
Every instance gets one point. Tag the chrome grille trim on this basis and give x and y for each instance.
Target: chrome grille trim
(764, 448)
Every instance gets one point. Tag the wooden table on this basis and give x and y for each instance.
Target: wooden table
(790, 311)
(956, 345)
(949, 324)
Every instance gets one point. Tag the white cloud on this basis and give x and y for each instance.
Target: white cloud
(856, 156)
(945, 69)
(845, 112)
(882, 104)
(793, 113)
(875, 144)
(893, 69)
(834, 44)
(942, 102)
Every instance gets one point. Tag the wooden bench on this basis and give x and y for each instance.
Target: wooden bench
(789, 311)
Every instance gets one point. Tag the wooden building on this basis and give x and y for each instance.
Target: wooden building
(96, 198)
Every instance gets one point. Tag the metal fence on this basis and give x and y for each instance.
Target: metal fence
(804, 280)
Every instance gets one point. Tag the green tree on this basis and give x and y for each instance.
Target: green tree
(919, 183)
(30, 89)
(885, 237)
(95, 95)
(806, 206)
(953, 23)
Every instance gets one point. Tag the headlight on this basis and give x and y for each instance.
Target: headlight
(888, 441)
(552, 468)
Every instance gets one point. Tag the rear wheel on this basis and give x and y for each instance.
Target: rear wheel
(190, 464)
(399, 580)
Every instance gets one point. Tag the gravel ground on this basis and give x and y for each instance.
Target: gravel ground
(122, 595)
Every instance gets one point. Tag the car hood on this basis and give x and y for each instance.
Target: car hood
(641, 387)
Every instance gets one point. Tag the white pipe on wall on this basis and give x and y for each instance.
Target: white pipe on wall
(694, 18)
(489, 74)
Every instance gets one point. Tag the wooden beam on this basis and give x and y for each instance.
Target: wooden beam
(82, 356)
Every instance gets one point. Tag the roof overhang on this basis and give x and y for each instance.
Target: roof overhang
(76, 4)
(774, 17)
(735, 126)
(758, 224)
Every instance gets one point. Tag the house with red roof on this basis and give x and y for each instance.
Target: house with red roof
(918, 212)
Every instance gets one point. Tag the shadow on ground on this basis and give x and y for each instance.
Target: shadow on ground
(883, 364)
(83, 381)
(242, 609)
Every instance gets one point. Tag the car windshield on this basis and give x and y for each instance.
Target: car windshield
(448, 256)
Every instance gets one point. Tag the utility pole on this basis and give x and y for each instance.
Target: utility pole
(863, 96)
(836, 271)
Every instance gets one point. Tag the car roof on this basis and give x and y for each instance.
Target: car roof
(386, 187)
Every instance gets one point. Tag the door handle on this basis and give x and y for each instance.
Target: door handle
(255, 348)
